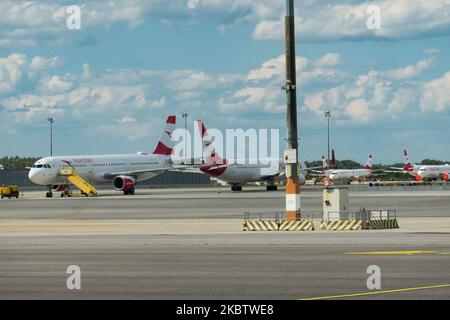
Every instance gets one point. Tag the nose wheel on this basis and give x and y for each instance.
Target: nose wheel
(49, 193)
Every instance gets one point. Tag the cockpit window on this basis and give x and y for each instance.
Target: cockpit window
(39, 166)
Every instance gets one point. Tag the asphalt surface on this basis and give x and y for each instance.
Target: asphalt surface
(254, 266)
(210, 204)
(232, 265)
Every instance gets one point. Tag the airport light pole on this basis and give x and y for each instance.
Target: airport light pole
(185, 115)
(328, 116)
(291, 156)
(50, 119)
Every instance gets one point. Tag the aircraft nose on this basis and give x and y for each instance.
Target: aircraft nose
(33, 175)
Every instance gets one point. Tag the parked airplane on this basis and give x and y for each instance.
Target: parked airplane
(425, 172)
(124, 171)
(236, 173)
(346, 175)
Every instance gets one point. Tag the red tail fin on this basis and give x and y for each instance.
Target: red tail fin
(409, 167)
(165, 144)
(212, 157)
(325, 166)
(369, 163)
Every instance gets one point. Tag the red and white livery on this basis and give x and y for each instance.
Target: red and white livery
(123, 171)
(237, 173)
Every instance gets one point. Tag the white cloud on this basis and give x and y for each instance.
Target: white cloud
(358, 110)
(321, 21)
(436, 95)
(328, 60)
(410, 71)
(386, 95)
(41, 63)
(11, 71)
(34, 22)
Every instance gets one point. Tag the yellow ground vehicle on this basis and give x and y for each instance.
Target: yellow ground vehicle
(9, 192)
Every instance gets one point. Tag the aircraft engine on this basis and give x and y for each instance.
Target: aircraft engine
(301, 179)
(124, 183)
(445, 176)
(418, 178)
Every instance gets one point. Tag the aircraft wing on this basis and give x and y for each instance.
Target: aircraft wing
(135, 173)
(182, 168)
(312, 169)
(316, 171)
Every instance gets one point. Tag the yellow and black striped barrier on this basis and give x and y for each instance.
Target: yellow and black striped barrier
(277, 225)
(302, 225)
(382, 224)
(341, 225)
(351, 225)
(260, 225)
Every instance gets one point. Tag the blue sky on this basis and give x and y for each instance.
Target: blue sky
(111, 84)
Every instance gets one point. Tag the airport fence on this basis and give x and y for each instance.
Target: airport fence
(276, 216)
(362, 214)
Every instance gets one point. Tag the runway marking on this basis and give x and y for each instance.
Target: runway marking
(403, 252)
(378, 292)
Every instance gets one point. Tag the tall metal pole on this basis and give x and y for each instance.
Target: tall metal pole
(50, 119)
(328, 115)
(185, 115)
(292, 174)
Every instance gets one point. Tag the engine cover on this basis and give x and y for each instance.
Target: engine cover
(445, 176)
(60, 187)
(418, 178)
(301, 179)
(124, 183)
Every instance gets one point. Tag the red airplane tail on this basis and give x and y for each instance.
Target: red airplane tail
(165, 143)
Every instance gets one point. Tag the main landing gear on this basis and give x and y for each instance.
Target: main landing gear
(131, 191)
(271, 188)
(236, 188)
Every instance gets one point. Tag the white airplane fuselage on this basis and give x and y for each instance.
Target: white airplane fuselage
(434, 172)
(98, 168)
(235, 172)
(347, 175)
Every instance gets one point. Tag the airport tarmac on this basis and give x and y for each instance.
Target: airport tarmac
(211, 203)
(187, 244)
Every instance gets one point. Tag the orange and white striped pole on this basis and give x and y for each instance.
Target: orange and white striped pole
(292, 171)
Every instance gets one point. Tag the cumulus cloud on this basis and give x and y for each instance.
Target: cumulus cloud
(347, 20)
(31, 88)
(410, 71)
(436, 95)
(33, 22)
(384, 95)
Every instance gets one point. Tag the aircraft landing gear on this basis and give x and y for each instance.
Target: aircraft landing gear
(49, 194)
(271, 188)
(132, 191)
(236, 188)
